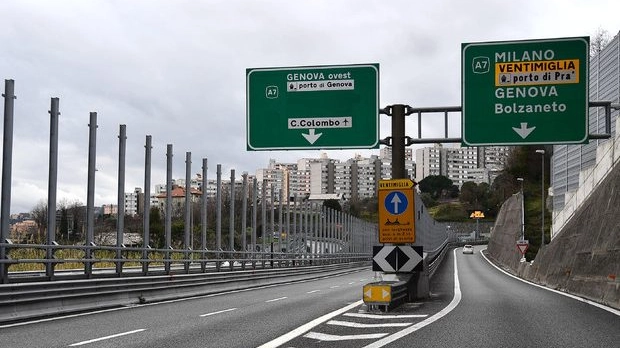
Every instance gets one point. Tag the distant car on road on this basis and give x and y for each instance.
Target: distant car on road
(468, 249)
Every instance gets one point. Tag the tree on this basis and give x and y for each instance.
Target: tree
(428, 200)
(39, 215)
(438, 186)
(156, 233)
(78, 211)
(332, 204)
(599, 41)
(477, 197)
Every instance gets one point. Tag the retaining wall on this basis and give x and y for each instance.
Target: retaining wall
(583, 258)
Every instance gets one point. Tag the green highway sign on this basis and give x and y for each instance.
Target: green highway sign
(525, 92)
(320, 107)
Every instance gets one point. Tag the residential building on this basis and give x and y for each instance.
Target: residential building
(569, 160)
(461, 164)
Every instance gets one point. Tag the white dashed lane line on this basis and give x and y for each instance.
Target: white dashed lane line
(312, 291)
(218, 312)
(276, 299)
(106, 338)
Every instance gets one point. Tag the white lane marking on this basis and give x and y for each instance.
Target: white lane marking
(351, 283)
(218, 312)
(306, 327)
(335, 286)
(63, 317)
(99, 311)
(385, 316)
(312, 291)
(581, 299)
(276, 299)
(106, 338)
(331, 338)
(402, 333)
(365, 326)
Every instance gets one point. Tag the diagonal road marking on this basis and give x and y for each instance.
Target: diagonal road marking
(385, 316)
(105, 338)
(365, 326)
(331, 338)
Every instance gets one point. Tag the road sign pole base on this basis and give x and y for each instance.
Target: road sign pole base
(418, 286)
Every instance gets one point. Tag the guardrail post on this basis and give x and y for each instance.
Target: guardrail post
(4, 267)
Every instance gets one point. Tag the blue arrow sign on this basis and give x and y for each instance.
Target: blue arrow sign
(396, 202)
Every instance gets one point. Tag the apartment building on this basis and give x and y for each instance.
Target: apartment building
(569, 160)
(461, 164)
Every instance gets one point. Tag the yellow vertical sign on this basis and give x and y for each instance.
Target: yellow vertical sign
(396, 211)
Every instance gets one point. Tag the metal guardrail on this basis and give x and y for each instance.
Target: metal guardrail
(137, 261)
(23, 301)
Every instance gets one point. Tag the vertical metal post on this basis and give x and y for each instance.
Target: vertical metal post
(398, 142)
(340, 234)
(90, 195)
(254, 217)
(542, 197)
(305, 227)
(218, 211)
(272, 211)
(231, 217)
(187, 240)
(203, 214)
(287, 239)
(280, 222)
(244, 217)
(52, 187)
(322, 233)
(168, 222)
(120, 218)
(146, 211)
(7, 167)
(263, 220)
(295, 234)
(311, 234)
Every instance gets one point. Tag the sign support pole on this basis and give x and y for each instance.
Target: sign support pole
(417, 282)
(398, 142)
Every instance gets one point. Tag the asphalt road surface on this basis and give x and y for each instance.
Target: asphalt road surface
(479, 307)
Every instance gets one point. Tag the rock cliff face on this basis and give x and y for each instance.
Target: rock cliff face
(506, 232)
(584, 258)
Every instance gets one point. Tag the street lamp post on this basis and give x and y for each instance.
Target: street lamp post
(542, 189)
(522, 216)
(522, 211)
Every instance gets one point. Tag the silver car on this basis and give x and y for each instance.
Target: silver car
(468, 249)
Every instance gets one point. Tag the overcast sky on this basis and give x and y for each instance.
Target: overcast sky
(175, 70)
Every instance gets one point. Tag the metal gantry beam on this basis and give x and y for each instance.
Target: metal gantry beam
(395, 112)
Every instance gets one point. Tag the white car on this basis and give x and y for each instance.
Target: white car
(468, 249)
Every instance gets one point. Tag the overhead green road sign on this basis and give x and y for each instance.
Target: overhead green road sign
(321, 107)
(525, 92)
